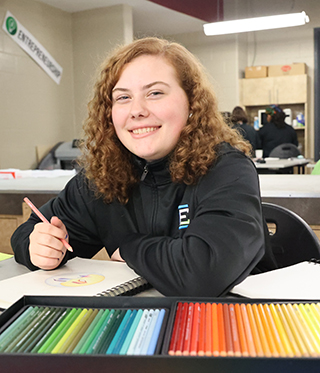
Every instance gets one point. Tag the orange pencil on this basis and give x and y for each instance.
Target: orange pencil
(215, 330)
(305, 332)
(175, 331)
(288, 331)
(293, 327)
(208, 348)
(234, 331)
(221, 331)
(187, 339)
(45, 220)
(242, 334)
(182, 329)
(227, 330)
(274, 331)
(202, 330)
(281, 330)
(254, 330)
(195, 330)
(248, 332)
(271, 342)
(262, 334)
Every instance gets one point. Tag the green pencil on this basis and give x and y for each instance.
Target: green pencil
(15, 328)
(28, 324)
(55, 336)
(88, 326)
(88, 336)
(66, 339)
(95, 332)
(47, 324)
(117, 321)
(79, 331)
(43, 341)
(101, 335)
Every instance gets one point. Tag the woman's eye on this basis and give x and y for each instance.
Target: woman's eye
(156, 93)
(121, 98)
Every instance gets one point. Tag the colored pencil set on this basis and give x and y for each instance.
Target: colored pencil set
(240, 329)
(58, 330)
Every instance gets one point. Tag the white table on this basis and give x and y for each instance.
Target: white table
(275, 164)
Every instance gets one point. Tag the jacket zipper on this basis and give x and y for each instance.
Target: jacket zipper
(145, 172)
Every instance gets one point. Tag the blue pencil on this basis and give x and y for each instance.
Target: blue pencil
(118, 333)
(125, 332)
(143, 334)
(147, 340)
(156, 332)
(132, 330)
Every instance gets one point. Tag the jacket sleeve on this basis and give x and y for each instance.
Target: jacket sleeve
(222, 244)
(71, 206)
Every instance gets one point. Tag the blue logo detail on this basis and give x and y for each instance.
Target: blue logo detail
(184, 220)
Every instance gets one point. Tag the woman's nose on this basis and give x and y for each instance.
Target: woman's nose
(138, 109)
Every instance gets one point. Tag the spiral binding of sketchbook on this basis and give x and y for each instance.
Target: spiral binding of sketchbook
(132, 287)
(298, 281)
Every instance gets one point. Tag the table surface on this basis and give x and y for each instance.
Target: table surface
(288, 186)
(277, 163)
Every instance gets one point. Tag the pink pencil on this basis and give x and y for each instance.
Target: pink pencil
(45, 220)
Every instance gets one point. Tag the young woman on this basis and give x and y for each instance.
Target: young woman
(166, 185)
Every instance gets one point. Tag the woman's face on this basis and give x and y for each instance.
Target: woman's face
(149, 107)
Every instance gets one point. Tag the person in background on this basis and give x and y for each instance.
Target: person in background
(166, 185)
(276, 131)
(239, 120)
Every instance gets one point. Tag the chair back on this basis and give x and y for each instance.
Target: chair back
(285, 151)
(293, 240)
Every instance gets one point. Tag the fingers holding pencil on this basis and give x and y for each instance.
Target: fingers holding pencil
(48, 243)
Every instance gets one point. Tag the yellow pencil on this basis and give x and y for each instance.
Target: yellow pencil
(303, 328)
(293, 326)
(274, 331)
(286, 327)
(59, 346)
(282, 333)
(315, 311)
(311, 327)
(262, 334)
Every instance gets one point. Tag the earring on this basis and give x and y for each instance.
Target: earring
(190, 115)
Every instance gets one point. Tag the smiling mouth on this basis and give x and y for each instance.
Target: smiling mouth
(139, 131)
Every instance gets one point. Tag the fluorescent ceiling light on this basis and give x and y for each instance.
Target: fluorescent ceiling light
(255, 24)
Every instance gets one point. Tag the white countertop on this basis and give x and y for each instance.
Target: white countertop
(307, 186)
(299, 186)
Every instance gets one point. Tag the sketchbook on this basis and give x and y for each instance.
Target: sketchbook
(299, 281)
(78, 277)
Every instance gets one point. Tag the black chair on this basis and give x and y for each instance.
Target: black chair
(285, 151)
(293, 240)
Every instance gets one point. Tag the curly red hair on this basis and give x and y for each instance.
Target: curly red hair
(109, 164)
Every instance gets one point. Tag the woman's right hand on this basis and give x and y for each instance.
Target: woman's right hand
(45, 248)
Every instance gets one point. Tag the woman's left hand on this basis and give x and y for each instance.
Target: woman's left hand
(116, 256)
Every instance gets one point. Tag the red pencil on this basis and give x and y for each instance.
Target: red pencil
(182, 329)
(221, 331)
(195, 330)
(174, 335)
(208, 348)
(45, 220)
(187, 338)
(215, 330)
(202, 330)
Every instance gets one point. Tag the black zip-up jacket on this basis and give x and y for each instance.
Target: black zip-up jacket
(196, 240)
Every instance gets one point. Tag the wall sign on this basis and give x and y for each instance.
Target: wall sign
(32, 47)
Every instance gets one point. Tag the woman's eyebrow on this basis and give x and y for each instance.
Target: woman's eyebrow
(144, 87)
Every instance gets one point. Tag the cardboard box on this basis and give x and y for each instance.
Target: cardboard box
(292, 69)
(256, 72)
